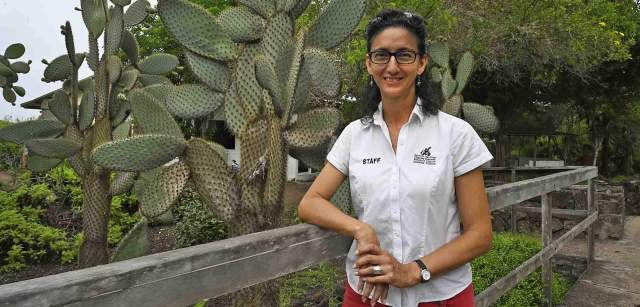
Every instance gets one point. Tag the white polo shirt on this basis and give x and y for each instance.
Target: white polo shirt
(409, 197)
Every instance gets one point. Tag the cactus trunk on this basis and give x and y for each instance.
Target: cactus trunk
(95, 219)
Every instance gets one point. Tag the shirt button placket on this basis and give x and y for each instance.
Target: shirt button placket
(395, 212)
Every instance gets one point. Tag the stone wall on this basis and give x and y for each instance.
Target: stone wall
(609, 200)
(632, 197)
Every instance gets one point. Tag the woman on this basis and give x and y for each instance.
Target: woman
(414, 176)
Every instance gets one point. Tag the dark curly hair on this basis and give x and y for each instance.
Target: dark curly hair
(413, 23)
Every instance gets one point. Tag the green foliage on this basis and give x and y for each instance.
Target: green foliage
(297, 285)
(196, 224)
(9, 152)
(508, 252)
(24, 240)
(121, 220)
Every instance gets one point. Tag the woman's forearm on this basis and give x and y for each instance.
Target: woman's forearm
(459, 251)
(314, 209)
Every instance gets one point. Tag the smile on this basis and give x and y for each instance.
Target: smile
(392, 80)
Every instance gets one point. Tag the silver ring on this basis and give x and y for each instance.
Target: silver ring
(377, 270)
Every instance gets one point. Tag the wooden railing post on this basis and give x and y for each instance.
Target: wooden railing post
(513, 210)
(590, 210)
(546, 241)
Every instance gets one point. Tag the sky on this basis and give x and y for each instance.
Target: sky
(36, 24)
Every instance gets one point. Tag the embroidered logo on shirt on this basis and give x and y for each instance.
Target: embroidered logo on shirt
(371, 160)
(424, 157)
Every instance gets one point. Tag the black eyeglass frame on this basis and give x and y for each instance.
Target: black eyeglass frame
(393, 54)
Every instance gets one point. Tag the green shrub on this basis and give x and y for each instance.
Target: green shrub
(323, 276)
(196, 224)
(23, 240)
(120, 221)
(507, 253)
(10, 153)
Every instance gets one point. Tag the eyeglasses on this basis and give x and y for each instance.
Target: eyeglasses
(384, 56)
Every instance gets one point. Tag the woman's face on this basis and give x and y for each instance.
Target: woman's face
(395, 80)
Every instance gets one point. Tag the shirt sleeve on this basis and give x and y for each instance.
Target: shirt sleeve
(339, 154)
(469, 151)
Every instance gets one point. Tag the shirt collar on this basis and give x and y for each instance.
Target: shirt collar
(416, 112)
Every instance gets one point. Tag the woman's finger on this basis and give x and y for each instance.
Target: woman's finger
(368, 287)
(377, 293)
(384, 294)
(370, 260)
(366, 248)
(360, 285)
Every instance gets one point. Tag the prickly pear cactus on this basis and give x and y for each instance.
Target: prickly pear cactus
(88, 113)
(9, 72)
(480, 117)
(251, 60)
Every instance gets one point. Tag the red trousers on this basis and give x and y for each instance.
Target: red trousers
(462, 299)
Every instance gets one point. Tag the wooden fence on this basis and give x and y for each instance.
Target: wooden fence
(182, 277)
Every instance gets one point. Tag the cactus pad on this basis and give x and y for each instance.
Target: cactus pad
(14, 51)
(135, 244)
(480, 117)
(453, 105)
(114, 69)
(158, 64)
(192, 101)
(313, 128)
(39, 164)
(463, 71)
(439, 54)
(196, 29)
(162, 191)
(19, 90)
(61, 68)
(136, 13)
(53, 148)
(60, 106)
(114, 30)
(152, 117)
(241, 24)
(93, 14)
(210, 175)
(86, 110)
(335, 23)
(138, 153)
(448, 85)
(92, 55)
(122, 182)
(128, 79)
(20, 67)
(324, 75)
(261, 7)
(266, 76)
(27, 130)
(122, 131)
(248, 89)
(8, 94)
(148, 80)
(129, 45)
(342, 198)
(234, 116)
(212, 73)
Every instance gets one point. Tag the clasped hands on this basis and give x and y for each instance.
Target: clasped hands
(370, 254)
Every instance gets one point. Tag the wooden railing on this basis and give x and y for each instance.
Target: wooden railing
(182, 277)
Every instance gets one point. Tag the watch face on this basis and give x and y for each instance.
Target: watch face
(425, 275)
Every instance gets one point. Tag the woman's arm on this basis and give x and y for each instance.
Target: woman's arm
(316, 209)
(474, 241)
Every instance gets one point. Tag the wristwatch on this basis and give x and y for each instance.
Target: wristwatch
(425, 275)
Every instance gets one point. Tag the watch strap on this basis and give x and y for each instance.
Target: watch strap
(421, 264)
